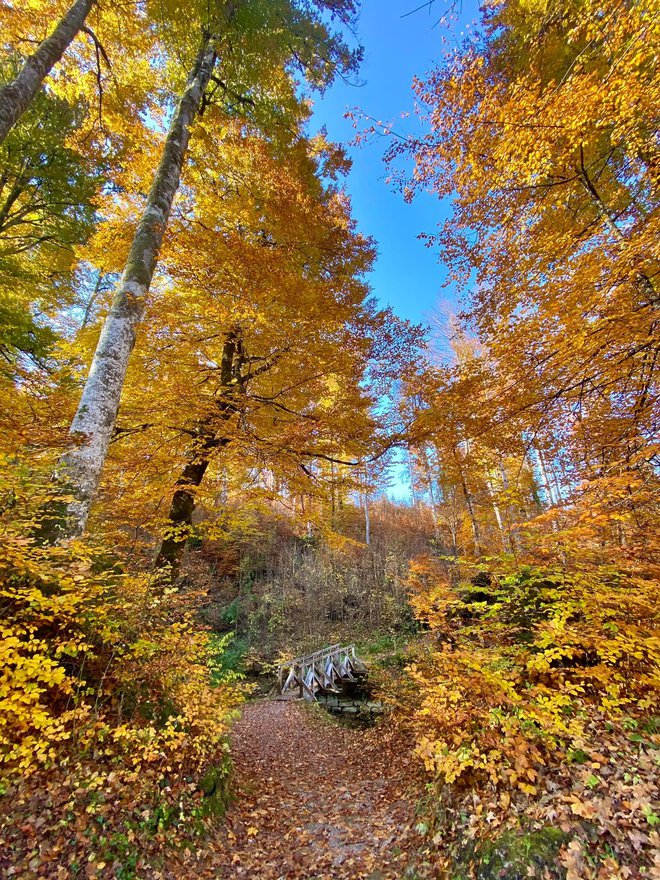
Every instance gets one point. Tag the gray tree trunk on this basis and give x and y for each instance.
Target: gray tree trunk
(16, 96)
(411, 471)
(432, 494)
(93, 423)
(498, 513)
(547, 482)
(467, 497)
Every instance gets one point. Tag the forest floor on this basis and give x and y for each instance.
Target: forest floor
(314, 800)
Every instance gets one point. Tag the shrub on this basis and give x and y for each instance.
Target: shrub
(112, 705)
(525, 670)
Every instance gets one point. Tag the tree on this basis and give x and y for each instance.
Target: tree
(534, 125)
(17, 95)
(48, 200)
(97, 411)
(94, 421)
(261, 353)
(47, 210)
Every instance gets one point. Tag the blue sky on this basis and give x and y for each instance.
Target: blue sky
(407, 275)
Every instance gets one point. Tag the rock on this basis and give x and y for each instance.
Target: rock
(514, 855)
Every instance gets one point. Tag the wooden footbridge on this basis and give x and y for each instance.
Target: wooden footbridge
(323, 671)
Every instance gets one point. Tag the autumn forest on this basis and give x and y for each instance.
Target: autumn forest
(222, 448)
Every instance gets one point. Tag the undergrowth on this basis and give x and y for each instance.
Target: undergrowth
(114, 710)
(533, 695)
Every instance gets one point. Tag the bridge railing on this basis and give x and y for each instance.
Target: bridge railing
(320, 670)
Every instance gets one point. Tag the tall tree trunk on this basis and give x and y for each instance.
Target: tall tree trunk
(367, 518)
(534, 486)
(92, 299)
(467, 497)
(16, 96)
(333, 488)
(411, 471)
(644, 283)
(182, 506)
(498, 513)
(93, 423)
(511, 531)
(551, 495)
(432, 494)
(181, 511)
(231, 400)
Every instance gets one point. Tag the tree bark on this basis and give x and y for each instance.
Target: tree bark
(411, 471)
(231, 400)
(92, 426)
(520, 515)
(551, 496)
(498, 513)
(16, 96)
(181, 511)
(467, 497)
(182, 506)
(432, 495)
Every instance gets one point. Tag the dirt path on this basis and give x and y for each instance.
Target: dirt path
(315, 801)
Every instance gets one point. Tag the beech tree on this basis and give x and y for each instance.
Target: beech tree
(533, 125)
(97, 411)
(93, 423)
(270, 338)
(48, 189)
(17, 95)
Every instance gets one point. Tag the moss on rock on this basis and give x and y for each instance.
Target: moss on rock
(214, 784)
(512, 855)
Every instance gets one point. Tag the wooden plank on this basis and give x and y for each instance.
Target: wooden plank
(309, 684)
(290, 680)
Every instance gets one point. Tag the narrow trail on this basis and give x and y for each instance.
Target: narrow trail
(315, 801)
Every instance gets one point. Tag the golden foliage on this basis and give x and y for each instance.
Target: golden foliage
(107, 684)
(526, 670)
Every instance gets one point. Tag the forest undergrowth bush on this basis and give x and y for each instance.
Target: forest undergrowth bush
(536, 693)
(114, 709)
(283, 592)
